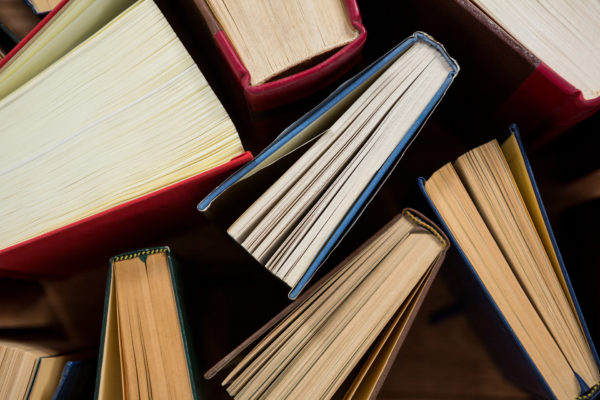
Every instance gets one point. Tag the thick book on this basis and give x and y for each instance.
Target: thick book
(290, 81)
(508, 65)
(317, 177)
(121, 127)
(342, 335)
(144, 320)
(525, 306)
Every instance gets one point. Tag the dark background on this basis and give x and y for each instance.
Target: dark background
(442, 357)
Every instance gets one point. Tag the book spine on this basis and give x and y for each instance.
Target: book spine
(294, 87)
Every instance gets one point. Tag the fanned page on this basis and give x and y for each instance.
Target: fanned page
(125, 113)
(30, 366)
(311, 352)
(290, 223)
(75, 22)
(272, 36)
(153, 355)
(484, 210)
(562, 33)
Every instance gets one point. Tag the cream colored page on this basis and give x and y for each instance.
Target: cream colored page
(339, 197)
(101, 137)
(272, 36)
(75, 22)
(562, 33)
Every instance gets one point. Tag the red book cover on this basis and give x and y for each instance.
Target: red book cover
(63, 251)
(542, 102)
(547, 104)
(298, 85)
(33, 32)
(503, 82)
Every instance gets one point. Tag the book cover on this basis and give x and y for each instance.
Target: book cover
(54, 253)
(228, 200)
(367, 378)
(516, 85)
(298, 85)
(501, 341)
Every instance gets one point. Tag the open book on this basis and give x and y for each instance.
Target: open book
(144, 351)
(340, 337)
(489, 202)
(104, 134)
(306, 189)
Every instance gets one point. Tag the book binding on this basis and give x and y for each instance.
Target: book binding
(418, 219)
(298, 85)
(211, 202)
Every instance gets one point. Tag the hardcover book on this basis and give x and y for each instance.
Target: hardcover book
(145, 350)
(526, 308)
(122, 127)
(31, 365)
(311, 184)
(318, 42)
(341, 337)
(533, 63)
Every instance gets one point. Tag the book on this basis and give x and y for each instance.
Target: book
(42, 7)
(519, 55)
(565, 85)
(68, 25)
(489, 203)
(30, 366)
(291, 206)
(295, 50)
(143, 320)
(125, 127)
(341, 336)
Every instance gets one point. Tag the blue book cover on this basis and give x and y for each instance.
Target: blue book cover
(77, 381)
(501, 340)
(230, 199)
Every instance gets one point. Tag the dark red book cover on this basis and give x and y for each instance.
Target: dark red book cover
(502, 81)
(298, 85)
(544, 104)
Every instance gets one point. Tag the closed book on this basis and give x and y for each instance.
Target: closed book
(290, 151)
(76, 381)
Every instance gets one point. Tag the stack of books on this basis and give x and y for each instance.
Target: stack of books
(114, 139)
